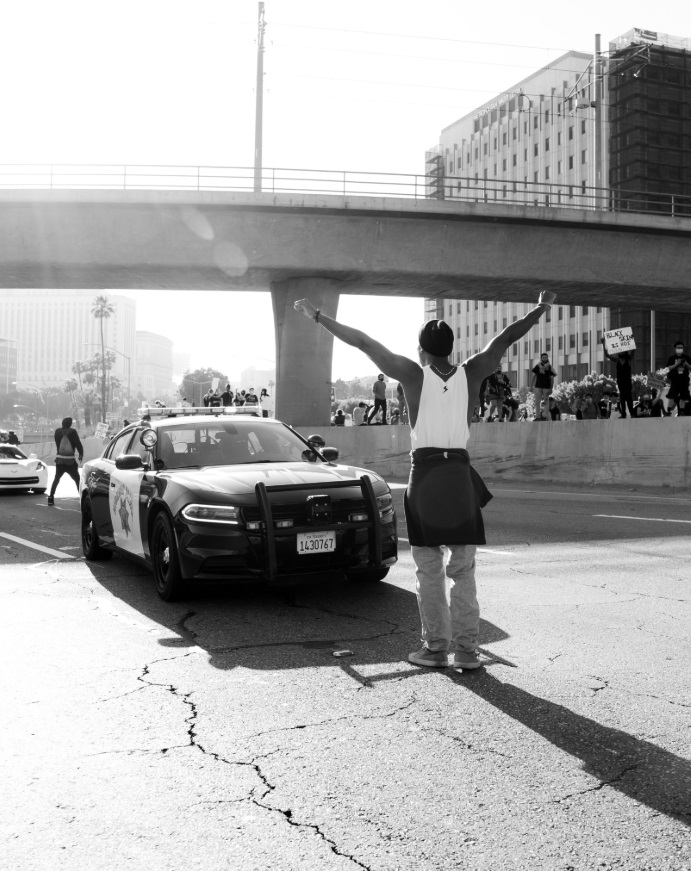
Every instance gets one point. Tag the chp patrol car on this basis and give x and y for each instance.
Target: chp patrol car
(224, 494)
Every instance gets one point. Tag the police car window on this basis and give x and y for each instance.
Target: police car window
(119, 445)
(222, 442)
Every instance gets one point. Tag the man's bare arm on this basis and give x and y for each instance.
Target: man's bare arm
(394, 365)
(490, 357)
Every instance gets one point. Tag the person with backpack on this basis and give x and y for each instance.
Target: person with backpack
(67, 442)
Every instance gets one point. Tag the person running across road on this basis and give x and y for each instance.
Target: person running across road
(445, 495)
(543, 379)
(678, 369)
(379, 393)
(67, 442)
(623, 376)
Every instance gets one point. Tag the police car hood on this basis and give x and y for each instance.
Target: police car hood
(243, 479)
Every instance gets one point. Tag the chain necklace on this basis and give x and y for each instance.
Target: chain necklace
(443, 375)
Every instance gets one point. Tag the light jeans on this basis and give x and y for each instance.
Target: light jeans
(445, 626)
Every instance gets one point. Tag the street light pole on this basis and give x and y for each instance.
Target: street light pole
(259, 107)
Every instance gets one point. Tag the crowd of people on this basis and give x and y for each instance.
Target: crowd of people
(213, 398)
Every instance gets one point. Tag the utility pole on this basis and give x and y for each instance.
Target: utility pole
(259, 103)
(597, 63)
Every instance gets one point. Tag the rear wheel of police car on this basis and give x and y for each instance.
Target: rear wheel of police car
(164, 555)
(91, 546)
(370, 576)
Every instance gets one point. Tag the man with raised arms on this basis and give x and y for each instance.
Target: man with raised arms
(445, 495)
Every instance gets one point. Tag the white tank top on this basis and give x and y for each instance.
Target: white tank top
(442, 419)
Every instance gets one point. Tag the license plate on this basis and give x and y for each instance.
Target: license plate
(316, 542)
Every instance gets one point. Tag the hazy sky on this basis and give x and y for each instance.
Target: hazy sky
(364, 85)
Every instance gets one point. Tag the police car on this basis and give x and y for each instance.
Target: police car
(209, 494)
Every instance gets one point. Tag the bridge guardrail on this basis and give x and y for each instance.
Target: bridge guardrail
(286, 180)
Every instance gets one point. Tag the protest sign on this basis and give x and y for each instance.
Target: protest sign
(101, 431)
(618, 341)
(214, 384)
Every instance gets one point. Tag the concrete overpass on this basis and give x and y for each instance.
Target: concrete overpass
(323, 245)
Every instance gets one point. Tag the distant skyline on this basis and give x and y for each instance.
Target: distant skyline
(367, 85)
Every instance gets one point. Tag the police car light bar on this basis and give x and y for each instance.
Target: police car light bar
(209, 411)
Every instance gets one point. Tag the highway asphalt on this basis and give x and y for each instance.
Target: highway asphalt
(221, 732)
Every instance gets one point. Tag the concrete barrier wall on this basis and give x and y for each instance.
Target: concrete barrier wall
(632, 452)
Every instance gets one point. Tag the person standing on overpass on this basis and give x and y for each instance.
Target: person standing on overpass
(445, 495)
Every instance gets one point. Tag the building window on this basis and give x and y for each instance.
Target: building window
(513, 134)
(450, 310)
(536, 346)
(572, 311)
(546, 172)
(536, 177)
(494, 171)
(559, 138)
(559, 167)
(572, 341)
(582, 187)
(546, 116)
(525, 126)
(570, 161)
(458, 332)
(476, 330)
(586, 339)
(484, 148)
(535, 150)
(484, 328)
(514, 348)
(582, 126)
(484, 304)
(503, 323)
(525, 155)
(548, 315)
(515, 318)
(599, 309)
(526, 347)
(467, 305)
(476, 305)
(495, 143)
(585, 309)
(513, 161)
(571, 132)
(561, 313)
(503, 138)
(548, 344)
(561, 343)
(599, 336)
(536, 121)
(583, 156)
(476, 152)
(547, 144)
(494, 328)
(503, 165)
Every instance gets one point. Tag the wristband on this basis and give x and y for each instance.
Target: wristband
(316, 316)
(549, 306)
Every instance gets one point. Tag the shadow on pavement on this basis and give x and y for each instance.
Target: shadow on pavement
(635, 767)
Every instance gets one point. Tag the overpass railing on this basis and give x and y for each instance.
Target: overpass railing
(341, 183)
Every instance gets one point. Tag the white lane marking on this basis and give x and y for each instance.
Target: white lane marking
(71, 547)
(49, 550)
(397, 486)
(649, 519)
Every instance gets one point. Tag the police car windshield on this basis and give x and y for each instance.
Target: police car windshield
(222, 442)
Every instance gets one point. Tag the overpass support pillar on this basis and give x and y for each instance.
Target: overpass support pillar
(304, 351)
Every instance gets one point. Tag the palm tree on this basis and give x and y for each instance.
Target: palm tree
(78, 369)
(102, 308)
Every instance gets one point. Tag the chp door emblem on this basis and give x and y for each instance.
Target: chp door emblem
(123, 508)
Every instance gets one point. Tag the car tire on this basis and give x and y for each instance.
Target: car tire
(91, 546)
(370, 576)
(166, 563)
(39, 490)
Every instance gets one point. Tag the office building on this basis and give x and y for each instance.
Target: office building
(53, 329)
(153, 371)
(8, 365)
(608, 131)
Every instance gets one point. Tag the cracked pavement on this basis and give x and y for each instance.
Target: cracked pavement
(222, 731)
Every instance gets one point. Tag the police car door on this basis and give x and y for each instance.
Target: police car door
(124, 504)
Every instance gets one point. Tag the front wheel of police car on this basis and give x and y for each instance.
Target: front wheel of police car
(91, 546)
(166, 563)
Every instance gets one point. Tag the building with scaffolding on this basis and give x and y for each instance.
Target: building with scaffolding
(609, 131)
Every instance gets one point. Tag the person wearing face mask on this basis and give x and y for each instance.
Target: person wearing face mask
(543, 379)
(589, 411)
(379, 393)
(497, 385)
(678, 369)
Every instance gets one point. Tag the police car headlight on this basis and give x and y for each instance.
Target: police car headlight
(211, 513)
(385, 505)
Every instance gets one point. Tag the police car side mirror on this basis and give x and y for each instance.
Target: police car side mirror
(330, 454)
(128, 462)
